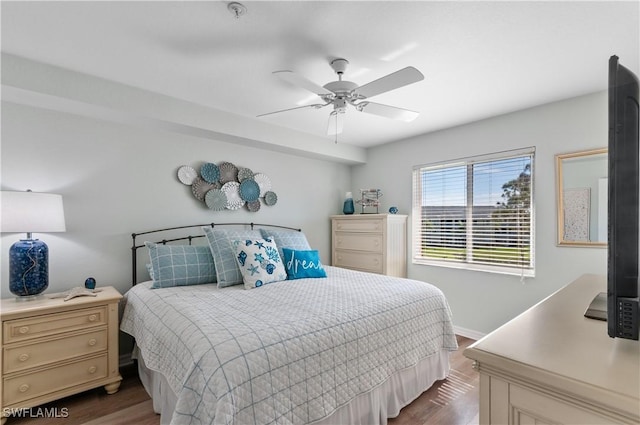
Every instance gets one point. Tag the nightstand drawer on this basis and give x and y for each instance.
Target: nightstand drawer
(52, 324)
(35, 384)
(359, 260)
(364, 225)
(370, 242)
(24, 356)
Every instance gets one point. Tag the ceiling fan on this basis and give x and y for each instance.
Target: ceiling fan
(342, 93)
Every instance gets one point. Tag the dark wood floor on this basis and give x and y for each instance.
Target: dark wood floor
(453, 401)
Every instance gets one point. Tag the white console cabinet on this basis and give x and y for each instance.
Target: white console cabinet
(551, 365)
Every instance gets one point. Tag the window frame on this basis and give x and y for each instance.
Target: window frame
(465, 264)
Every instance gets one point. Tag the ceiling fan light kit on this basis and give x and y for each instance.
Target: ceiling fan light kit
(341, 93)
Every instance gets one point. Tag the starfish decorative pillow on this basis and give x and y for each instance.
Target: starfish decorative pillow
(259, 262)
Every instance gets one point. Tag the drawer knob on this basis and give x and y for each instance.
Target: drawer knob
(24, 388)
(93, 318)
(339, 226)
(376, 261)
(92, 342)
(23, 330)
(93, 369)
(23, 357)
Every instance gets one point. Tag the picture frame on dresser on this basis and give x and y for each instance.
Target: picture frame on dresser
(52, 348)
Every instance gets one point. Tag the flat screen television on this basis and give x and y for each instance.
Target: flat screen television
(624, 203)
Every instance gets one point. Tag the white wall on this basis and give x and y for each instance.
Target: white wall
(483, 301)
(117, 179)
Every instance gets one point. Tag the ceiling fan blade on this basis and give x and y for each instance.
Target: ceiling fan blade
(401, 78)
(315, 105)
(387, 111)
(336, 123)
(300, 81)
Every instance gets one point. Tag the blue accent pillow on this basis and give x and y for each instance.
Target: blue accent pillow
(224, 255)
(180, 265)
(291, 239)
(303, 264)
(259, 262)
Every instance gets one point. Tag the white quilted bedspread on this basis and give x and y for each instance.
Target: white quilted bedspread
(288, 353)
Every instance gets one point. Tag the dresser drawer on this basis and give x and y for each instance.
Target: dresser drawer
(35, 384)
(370, 242)
(18, 357)
(52, 324)
(364, 225)
(358, 260)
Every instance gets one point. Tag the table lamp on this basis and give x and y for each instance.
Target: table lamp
(30, 212)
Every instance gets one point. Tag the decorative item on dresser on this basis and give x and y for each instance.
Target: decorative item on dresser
(370, 242)
(53, 348)
(552, 365)
(29, 212)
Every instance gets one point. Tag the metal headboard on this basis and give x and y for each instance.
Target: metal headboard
(190, 238)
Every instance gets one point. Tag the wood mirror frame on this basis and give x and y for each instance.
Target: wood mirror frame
(581, 199)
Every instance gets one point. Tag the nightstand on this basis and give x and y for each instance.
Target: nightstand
(53, 348)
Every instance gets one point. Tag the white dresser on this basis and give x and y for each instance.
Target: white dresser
(53, 348)
(375, 243)
(551, 365)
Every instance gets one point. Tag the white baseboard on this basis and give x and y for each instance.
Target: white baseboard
(468, 333)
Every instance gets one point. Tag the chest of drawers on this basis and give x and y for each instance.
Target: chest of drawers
(53, 348)
(375, 243)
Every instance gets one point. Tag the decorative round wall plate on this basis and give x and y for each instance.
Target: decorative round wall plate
(270, 198)
(232, 190)
(210, 172)
(228, 172)
(249, 190)
(216, 199)
(199, 188)
(244, 173)
(187, 174)
(253, 206)
(264, 183)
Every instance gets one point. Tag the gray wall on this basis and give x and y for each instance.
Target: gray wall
(482, 301)
(117, 179)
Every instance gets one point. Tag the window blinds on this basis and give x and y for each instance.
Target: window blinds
(476, 213)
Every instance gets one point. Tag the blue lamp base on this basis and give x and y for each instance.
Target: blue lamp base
(28, 268)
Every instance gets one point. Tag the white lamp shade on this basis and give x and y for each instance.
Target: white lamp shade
(31, 212)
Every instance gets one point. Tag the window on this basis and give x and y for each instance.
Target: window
(476, 213)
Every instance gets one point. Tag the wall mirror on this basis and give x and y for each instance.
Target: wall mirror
(582, 193)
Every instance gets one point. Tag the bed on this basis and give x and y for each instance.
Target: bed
(348, 348)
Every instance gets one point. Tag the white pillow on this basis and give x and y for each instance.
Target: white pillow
(259, 262)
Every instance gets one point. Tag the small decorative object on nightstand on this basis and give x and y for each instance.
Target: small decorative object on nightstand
(53, 349)
(90, 283)
(393, 210)
(29, 212)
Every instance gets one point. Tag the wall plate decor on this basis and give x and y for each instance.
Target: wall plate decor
(187, 174)
(216, 199)
(244, 173)
(249, 190)
(210, 172)
(199, 188)
(264, 182)
(227, 186)
(253, 206)
(232, 190)
(228, 173)
(270, 198)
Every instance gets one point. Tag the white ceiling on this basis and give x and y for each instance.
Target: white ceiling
(479, 59)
